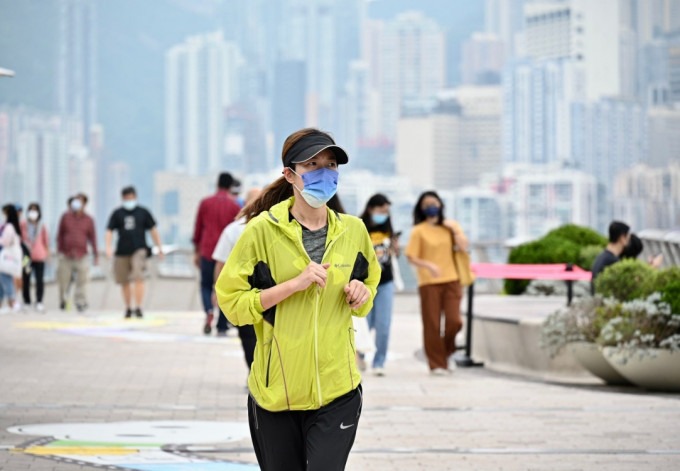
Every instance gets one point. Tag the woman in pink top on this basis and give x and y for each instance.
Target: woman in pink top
(35, 236)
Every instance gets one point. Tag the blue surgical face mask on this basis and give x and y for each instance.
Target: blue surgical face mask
(379, 218)
(432, 211)
(320, 186)
(130, 204)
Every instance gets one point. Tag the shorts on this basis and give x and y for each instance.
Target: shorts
(128, 268)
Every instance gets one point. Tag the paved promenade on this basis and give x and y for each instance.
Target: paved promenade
(96, 392)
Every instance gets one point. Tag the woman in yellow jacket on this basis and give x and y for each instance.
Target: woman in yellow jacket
(298, 273)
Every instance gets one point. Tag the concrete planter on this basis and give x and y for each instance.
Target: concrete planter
(651, 368)
(590, 357)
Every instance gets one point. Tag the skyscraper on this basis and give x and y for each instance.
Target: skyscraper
(537, 99)
(608, 136)
(201, 79)
(483, 59)
(413, 65)
(77, 70)
(451, 147)
(505, 19)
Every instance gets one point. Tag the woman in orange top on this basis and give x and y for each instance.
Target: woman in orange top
(430, 249)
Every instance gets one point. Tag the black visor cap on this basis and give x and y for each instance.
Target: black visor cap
(311, 145)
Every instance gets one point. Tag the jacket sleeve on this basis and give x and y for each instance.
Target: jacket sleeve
(371, 281)
(240, 301)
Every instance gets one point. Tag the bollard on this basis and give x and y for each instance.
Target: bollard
(570, 285)
(467, 361)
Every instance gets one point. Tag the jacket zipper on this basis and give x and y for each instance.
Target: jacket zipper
(316, 323)
(269, 362)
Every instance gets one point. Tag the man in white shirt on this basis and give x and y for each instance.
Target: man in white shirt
(224, 246)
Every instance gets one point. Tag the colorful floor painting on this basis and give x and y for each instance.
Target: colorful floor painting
(141, 446)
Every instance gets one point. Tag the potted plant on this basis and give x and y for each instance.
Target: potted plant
(642, 341)
(577, 327)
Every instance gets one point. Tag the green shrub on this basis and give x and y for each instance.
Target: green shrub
(626, 280)
(580, 235)
(587, 256)
(662, 278)
(550, 249)
(566, 244)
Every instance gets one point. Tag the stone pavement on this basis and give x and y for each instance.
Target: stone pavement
(157, 395)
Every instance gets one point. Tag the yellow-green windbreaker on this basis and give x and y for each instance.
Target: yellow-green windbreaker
(305, 355)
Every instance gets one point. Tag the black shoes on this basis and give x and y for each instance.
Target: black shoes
(137, 313)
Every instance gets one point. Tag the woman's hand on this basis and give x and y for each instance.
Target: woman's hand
(357, 294)
(314, 273)
(434, 270)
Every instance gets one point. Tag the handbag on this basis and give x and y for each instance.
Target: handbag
(10, 260)
(461, 260)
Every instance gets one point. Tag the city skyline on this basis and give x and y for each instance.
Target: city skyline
(455, 99)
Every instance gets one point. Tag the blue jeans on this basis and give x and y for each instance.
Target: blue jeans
(207, 283)
(380, 319)
(6, 287)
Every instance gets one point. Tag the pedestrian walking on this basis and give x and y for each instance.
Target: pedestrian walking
(25, 261)
(298, 273)
(10, 257)
(76, 230)
(131, 222)
(430, 248)
(376, 217)
(214, 214)
(34, 234)
(225, 245)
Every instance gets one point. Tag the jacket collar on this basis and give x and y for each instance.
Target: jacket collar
(279, 215)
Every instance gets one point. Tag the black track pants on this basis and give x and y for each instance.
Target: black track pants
(318, 440)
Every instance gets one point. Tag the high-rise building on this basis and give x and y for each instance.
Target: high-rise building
(483, 59)
(325, 36)
(654, 18)
(599, 35)
(654, 74)
(544, 197)
(481, 212)
(42, 164)
(413, 65)
(648, 198)
(77, 66)
(454, 144)
(608, 136)
(663, 136)
(537, 99)
(548, 30)
(505, 19)
(201, 79)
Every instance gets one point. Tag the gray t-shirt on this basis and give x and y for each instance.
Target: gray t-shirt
(315, 242)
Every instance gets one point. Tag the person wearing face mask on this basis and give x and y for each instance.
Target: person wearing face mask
(376, 217)
(34, 233)
(76, 229)
(298, 273)
(131, 222)
(430, 249)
